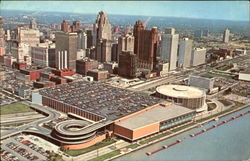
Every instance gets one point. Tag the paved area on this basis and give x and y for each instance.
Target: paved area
(41, 157)
(238, 98)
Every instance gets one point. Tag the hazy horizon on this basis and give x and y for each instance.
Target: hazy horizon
(212, 10)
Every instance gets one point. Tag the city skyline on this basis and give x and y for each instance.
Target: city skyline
(226, 10)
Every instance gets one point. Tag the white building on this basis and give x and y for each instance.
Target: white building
(198, 56)
(226, 35)
(169, 47)
(185, 50)
(245, 75)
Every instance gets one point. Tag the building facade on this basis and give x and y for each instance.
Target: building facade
(185, 50)
(198, 56)
(84, 65)
(127, 66)
(226, 35)
(169, 48)
(145, 46)
(102, 36)
(66, 43)
(125, 43)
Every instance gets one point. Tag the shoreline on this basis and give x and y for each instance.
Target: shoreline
(179, 132)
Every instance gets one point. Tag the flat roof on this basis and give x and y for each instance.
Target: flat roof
(155, 115)
(180, 91)
(100, 98)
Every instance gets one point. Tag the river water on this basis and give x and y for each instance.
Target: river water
(230, 141)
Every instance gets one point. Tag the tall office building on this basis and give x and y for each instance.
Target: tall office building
(2, 45)
(127, 66)
(66, 43)
(28, 36)
(65, 26)
(145, 46)
(125, 43)
(82, 40)
(33, 24)
(185, 50)
(89, 38)
(102, 37)
(169, 48)
(198, 56)
(75, 27)
(226, 35)
(198, 33)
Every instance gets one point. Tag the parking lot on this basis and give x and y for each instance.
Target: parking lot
(22, 148)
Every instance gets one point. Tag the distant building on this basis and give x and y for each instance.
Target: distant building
(110, 66)
(226, 35)
(145, 46)
(84, 65)
(2, 45)
(169, 47)
(65, 26)
(125, 43)
(206, 32)
(89, 38)
(102, 36)
(82, 40)
(33, 24)
(198, 56)
(98, 75)
(75, 27)
(40, 54)
(127, 66)
(201, 82)
(185, 50)
(114, 52)
(163, 68)
(66, 43)
(245, 75)
(198, 34)
(28, 36)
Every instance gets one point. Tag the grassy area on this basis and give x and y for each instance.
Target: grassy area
(224, 67)
(15, 108)
(240, 93)
(106, 156)
(211, 106)
(237, 105)
(133, 146)
(91, 148)
(211, 75)
(183, 127)
(154, 138)
(225, 102)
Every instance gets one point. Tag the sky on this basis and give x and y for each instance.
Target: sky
(226, 10)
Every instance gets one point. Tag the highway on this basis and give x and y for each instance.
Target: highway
(35, 126)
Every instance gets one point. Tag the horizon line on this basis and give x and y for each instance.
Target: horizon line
(127, 15)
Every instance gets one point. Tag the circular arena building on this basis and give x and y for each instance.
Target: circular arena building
(190, 97)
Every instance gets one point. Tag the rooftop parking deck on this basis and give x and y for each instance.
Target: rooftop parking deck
(100, 98)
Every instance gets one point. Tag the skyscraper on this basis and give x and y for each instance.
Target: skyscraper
(65, 26)
(102, 37)
(2, 48)
(82, 40)
(226, 35)
(33, 24)
(127, 66)
(185, 50)
(169, 48)
(146, 44)
(75, 27)
(125, 43)
(198, 56)
(66, 43)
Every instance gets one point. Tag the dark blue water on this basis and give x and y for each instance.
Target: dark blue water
(230, 141)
